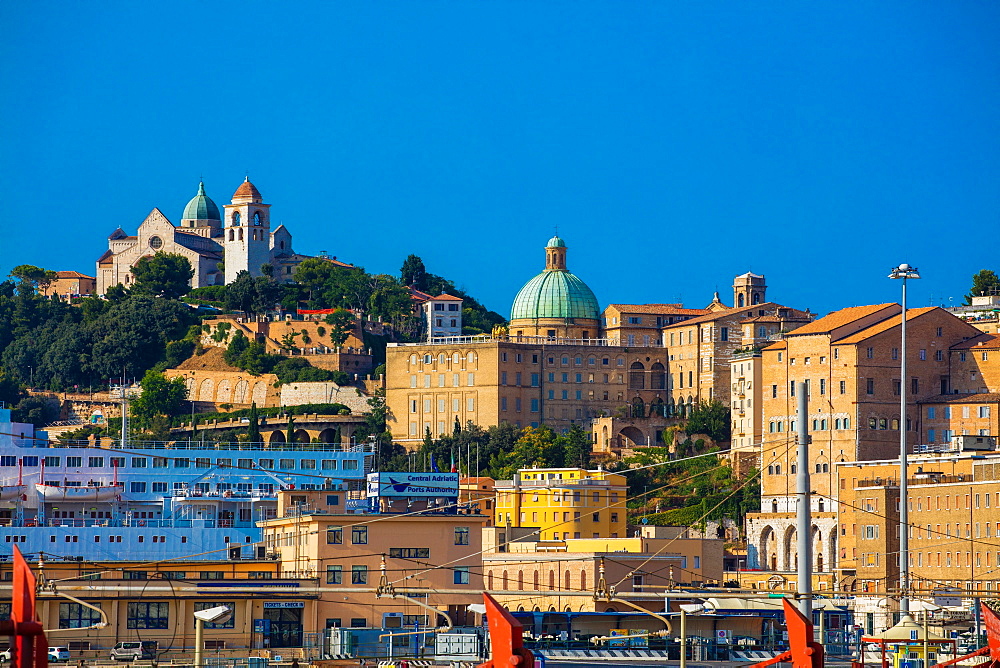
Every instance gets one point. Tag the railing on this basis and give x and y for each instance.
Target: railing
(532, 340)
(147, 524)
(233, 495)
(197, 445)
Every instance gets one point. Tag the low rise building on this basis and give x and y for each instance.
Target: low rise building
(576, 575)
(380, 564)
(564, 503)
(70, 284)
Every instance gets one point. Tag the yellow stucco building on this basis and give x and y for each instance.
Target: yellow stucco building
(563, 503)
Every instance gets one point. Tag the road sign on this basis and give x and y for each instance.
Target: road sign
(948, 598)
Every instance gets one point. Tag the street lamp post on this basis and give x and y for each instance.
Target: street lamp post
(903, 271)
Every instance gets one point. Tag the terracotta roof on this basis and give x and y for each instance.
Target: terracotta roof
(983, 341)
(977, 398)
(886, 325)
(762, 318)
(828, 323)
(247, 190)
(417, 295)
(72, 274)
(777, 345)
(447, 298)
(334, 261)
(105, 257)
(729, 312)
(656, 309)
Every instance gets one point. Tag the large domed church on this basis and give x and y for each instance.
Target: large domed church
(555, 304)
(218, 245)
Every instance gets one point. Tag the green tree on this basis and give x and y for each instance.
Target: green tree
(253, 429)
(38, 411)
(178, 351)
(341, 324)
(241, 292)
(577, 447)
(10, 390)
(252, 296)
(32, 278)
(984, 282)
(290, 433)
(711, 418)
(160, 398)
(413, 273)
(288, 341)
(237, 346)
(162, 275)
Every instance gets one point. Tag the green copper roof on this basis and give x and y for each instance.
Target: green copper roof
(556, 242)
(201, 207)
(555, 294)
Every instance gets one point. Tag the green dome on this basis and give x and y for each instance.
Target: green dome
(556, 242)
(201, 207)
(555, 294)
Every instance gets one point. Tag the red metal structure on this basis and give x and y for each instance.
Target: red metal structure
(506, 641)
(804, 652)
(29, 648)
(992, 649)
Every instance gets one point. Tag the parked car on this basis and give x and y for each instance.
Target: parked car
(130, 651)
(58, 654)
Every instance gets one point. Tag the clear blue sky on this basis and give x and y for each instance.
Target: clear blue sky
(674, 144)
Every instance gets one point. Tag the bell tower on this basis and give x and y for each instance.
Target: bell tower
(748, 290)
(246, 232)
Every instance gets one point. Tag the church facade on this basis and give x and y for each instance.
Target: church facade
(218, 245)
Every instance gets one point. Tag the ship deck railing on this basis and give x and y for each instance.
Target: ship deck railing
(198, 445)
(133, 522)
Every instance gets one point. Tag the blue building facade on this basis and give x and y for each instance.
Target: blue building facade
(188, 500)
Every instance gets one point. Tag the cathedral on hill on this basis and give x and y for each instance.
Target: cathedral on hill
(218, 244)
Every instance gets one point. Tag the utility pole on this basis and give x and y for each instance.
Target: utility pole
(802, 495)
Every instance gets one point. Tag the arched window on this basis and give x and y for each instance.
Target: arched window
(241, 234)
(637, 376)
(489, 580)
(256, 218)
(552, 580)
(534, 580)
(236, 218)
(657, 376)
(756, 298)
(505, 581)
(520, 580)
(740, 301)
(231, 235)
(566, 584)
(281, 245)
(638, 407)
(583, 580)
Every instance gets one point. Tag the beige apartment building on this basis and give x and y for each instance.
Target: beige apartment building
(850, 362)
(430, 558)
(954, 525)
(701, 349)
(488, 382)
(564, 575)
(641, 324)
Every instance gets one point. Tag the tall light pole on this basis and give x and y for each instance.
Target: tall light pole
(903, 271)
